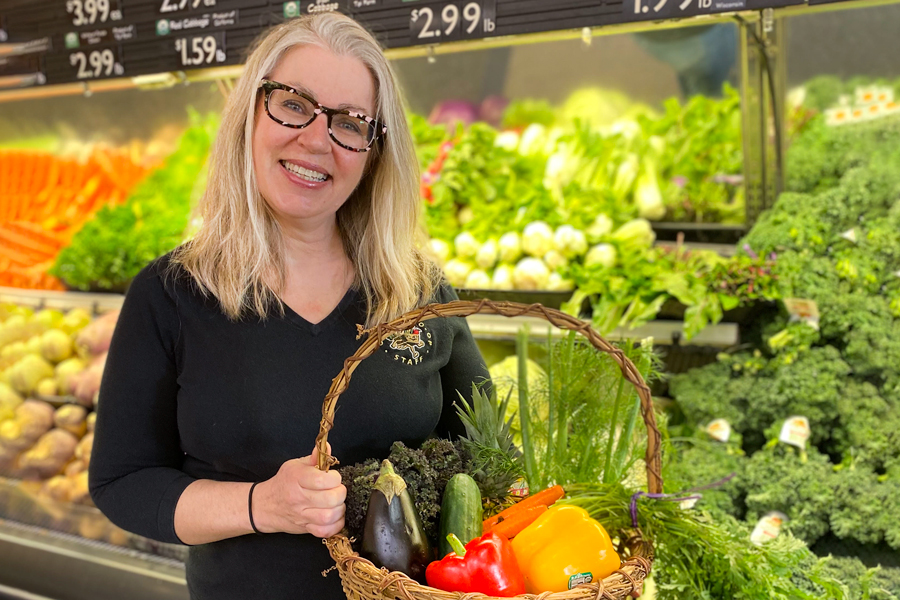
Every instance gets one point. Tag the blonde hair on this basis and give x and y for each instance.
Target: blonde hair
(237, 254)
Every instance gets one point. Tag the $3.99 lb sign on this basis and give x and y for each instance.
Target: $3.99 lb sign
(449, 21)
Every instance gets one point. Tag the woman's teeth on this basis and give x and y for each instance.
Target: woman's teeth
(304, 173)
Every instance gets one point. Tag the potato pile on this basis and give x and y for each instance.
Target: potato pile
(51, 364)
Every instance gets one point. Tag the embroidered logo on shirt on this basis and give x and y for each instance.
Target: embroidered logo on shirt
(416, 340)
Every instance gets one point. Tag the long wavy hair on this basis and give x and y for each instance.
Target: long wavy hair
(237, 255)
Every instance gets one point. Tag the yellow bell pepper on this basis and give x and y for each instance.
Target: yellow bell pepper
(563, 548)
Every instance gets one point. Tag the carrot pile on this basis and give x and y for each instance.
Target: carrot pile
(44, 200)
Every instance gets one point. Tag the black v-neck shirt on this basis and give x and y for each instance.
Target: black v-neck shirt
(189, 394)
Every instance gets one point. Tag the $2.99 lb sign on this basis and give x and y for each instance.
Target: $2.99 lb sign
(449, 21)
(97, 64)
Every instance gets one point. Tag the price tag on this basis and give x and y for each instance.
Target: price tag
(93, 12)
(170, 6)
(803, 311)
(767, 528)
(201, 50)
(97, 64)
(450, 21)
(795, 432)
(656, 9)
(719, 430)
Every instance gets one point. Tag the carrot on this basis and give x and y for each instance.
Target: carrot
(518, 521)
(543, 498)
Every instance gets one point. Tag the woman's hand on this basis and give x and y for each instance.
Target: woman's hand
(301, 499)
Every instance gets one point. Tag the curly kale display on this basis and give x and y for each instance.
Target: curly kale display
(800, 485)
(426, 472)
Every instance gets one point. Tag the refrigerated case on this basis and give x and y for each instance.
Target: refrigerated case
(54, 550)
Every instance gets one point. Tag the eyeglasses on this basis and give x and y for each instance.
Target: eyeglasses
(349, 129)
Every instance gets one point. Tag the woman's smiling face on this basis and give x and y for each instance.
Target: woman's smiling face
(290, 164)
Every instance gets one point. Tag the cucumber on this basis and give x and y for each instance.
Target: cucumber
(460, 512)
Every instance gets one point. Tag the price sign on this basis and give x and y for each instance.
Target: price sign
(450, 21)
(656, 9)
(169, 6)
(96, 64)
(201, 50)
(93, 12)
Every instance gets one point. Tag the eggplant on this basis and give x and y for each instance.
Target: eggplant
(394, 537)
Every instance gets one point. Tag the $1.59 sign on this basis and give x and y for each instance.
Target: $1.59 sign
(447, 21)
(97, 63)
(89, 12)
(201, 50)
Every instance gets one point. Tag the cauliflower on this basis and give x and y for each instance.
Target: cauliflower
(537, 239)
(601, 254)
(440, 249)
(466, 245)
(510, 246)
(502, 278)
(570, 241)
(487, 255)
(557, 283)
(478, 280)
(555, 260)
(456, 271)
(531, 274)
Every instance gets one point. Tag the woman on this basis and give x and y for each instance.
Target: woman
(225, 349)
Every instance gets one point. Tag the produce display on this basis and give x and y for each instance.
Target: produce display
(565, 204)
(807, 413)
(51, 364)
(44, 200)
(114, 246)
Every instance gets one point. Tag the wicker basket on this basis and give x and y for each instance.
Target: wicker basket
(361, 580)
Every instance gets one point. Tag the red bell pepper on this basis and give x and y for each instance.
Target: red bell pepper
(486, 564)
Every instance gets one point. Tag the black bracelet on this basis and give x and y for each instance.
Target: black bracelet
(250, 507)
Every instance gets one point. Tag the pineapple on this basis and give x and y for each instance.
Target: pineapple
(497, 461)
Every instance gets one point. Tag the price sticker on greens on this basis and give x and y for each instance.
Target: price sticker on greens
(768, 528)
(201, 50)
(450, 21)
(802, 310)
(795, 432)
(97, 64)
(169, 6)
(93, 12)
(719, 430)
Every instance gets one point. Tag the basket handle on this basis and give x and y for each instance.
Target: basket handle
(464, 308)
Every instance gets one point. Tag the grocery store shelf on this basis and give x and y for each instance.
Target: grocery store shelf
(495, 327)
(39, 299)
(37, 563)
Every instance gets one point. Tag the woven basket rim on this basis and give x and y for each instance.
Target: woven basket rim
(358, 572)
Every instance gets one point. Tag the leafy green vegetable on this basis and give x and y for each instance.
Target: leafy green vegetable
(110, 249)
